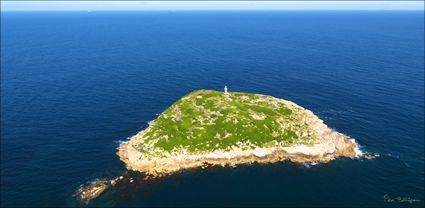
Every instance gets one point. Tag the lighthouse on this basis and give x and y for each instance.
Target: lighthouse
(225, 89)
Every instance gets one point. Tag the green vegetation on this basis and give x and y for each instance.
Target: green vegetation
(207, 120)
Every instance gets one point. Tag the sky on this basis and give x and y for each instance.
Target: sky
(207, 5)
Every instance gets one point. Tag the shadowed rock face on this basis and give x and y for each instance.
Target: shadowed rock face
(216, 128)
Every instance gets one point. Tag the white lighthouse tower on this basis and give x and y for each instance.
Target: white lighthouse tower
(226, 94)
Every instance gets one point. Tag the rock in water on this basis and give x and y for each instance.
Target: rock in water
(371, 156)
(216, 128)
(93, 190)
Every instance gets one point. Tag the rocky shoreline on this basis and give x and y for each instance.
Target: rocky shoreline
(165, 166)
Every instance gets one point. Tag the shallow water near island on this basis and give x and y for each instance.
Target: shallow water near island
(75, 84)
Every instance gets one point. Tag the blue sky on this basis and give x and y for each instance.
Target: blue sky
(208, 5)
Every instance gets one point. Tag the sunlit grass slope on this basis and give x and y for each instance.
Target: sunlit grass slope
(207, 120)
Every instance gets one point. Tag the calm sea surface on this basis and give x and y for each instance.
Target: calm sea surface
(74, 84)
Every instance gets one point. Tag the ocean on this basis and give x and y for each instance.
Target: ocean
(75, 84)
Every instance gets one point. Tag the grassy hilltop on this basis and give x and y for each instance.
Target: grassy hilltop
(207, 120)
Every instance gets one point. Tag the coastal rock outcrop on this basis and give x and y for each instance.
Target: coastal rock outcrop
(209, 127)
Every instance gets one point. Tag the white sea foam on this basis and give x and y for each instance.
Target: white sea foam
(307, 165)
(359, 152)
(119, 141)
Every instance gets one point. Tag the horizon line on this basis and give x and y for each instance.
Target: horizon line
(22, 6)
(220, 10)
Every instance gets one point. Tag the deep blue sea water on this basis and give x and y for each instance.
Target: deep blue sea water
(73, 84)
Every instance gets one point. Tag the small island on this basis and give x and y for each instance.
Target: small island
(208, 128)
